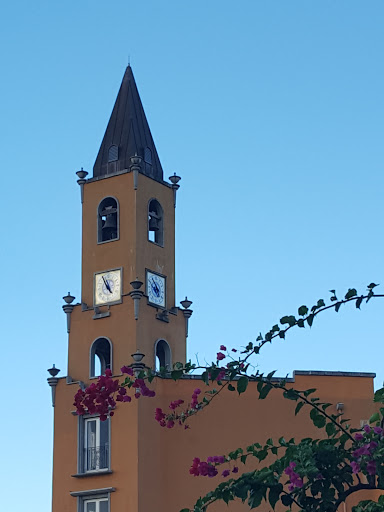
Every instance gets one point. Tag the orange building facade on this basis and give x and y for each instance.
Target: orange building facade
(128, 310)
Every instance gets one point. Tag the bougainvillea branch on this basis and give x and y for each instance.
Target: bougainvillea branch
(312, 475)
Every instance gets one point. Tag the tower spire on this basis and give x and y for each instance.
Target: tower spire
(128, 134)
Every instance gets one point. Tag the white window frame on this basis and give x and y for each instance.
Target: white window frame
(95, 500)
(84, 445)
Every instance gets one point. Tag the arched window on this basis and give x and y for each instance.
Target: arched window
(100, 357)
(113, 153)
(155, 222)
(108, 220)
(163, 356)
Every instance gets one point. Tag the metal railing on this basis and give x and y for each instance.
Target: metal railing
(96, 458)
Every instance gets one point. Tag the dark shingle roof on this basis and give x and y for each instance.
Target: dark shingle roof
(128, 129)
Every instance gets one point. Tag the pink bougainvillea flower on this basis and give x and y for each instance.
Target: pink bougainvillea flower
(223, 347)
(220, 356)
(127, 370)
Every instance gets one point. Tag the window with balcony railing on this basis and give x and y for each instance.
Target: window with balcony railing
(94, 445)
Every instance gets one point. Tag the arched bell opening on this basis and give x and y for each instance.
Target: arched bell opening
(100, 357)
(155, 222)
(108, 220)
(163, 355)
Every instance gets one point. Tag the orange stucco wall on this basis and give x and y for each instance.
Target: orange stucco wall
(151, 464)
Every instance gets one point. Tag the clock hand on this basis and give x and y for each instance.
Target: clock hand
(107, 284)
(155, 288)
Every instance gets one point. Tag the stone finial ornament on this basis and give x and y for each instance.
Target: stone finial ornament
(174, 180)
(186, 312)
(68, 308)
(82, 175)
(136, 295)
(52, 381)
(135, 168)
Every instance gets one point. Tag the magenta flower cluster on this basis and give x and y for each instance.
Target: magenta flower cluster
(367, 442)
(173, 418)
(98, 398)
(209, 467)
(294, 478)
(102, 396)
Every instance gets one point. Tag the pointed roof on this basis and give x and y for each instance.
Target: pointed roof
(128, 134)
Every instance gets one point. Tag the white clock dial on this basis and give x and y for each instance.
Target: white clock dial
(108, 287)
(156, 289)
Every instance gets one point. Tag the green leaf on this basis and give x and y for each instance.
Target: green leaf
(310, 320)
(289, 319)
(262, 454)
(372, 286)
(242, 384)
(205, 377)
(300, 322)
(358, 302)
(370, 295)
(231, 388)
(375, 417)
(286, 500)
(274, 494)
(303, 310)
(176, 374)
(264, 392)
(298, 407)
(282, 334)
(291, 394)
(317, 419)
(330, 429)
(259, 338)
(379, 396)
(320, 303)
(337, 306)
(350, 293)
(310, 391)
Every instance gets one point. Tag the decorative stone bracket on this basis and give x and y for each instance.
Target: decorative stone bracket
(174, 180)
(82, 175)
(68, 308)
(135, 168)
(52, 381)
(136, 295)
(186, 312)
(137, 366)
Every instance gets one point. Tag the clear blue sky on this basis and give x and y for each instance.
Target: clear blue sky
(271, 111)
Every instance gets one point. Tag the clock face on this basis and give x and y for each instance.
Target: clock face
(156, 289)
(107, 287)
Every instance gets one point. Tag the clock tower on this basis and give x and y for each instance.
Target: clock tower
(127, 308)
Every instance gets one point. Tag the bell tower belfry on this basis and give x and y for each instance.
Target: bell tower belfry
(128, 247)
(127, 313)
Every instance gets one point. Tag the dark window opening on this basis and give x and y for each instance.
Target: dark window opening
(155, 222)
(101, 357)
(163, 355)
(113, 153)
(148, 156)
(108, 220)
